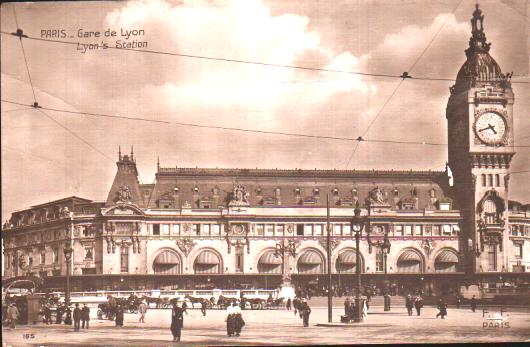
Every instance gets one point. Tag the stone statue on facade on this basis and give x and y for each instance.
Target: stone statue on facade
(377, 196)
(65, 212)
(239, 196)
(124, 194)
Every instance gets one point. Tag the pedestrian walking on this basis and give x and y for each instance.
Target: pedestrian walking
(288, 304)
(239, 323)
(473, 304)
(442, 308)
(119, 316)
(47, 314)
(203, 307)
(347, 308)
(177, 320)
(185, 307)
(368, 299)
(142, 310)
(230, 319)
(59, 317)
(409, 304)
(305, 311)
(365, 309)
(296, 302)
(85, 316)
(77, 317)
(68, 315)
(458, 301)
(13, 315)
(418, 304)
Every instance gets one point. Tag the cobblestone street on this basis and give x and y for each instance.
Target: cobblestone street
(281, 327)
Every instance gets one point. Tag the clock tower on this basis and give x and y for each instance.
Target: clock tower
(480, 149)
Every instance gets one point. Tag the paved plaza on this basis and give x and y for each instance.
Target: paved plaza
(282, 327)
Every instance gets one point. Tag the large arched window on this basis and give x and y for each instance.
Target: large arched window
(490, 212)
(311, 261)
(410, 261)
(207, 262)
(446, 261)
(347, 261)
(270, 262)
(167, 263)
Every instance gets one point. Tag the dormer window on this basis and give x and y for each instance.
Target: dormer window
(354, 191)
(176, 190)
(395, 192)
(196, 189)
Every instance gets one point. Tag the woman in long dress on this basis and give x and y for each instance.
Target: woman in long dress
(177, 321)
(230, 319)
(238, 320)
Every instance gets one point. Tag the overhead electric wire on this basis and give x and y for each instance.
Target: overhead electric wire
(249, 62)
(323, 137)
(20, 35)
(74, 134)
(405, 75)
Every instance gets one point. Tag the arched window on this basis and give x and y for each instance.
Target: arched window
(167, 263)
(483, 180)
(311, 261)
(270, 262)
(490, 212)
(347, 261)
(446, 261)
(497, 180)
(490, 180)
(207, 262)
(410, 261)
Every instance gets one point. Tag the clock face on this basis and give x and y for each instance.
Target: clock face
(490, 128)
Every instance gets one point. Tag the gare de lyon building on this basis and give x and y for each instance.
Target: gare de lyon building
(240, 228)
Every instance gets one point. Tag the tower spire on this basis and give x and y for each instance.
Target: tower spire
(132, 153)
(158, 163)
(119, 152)
(477, 42)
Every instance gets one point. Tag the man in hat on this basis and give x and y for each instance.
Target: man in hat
(85, 316)
(13, 315)
(305, 310)
(77, 317)
(142, 310)
(409, 303)
(177, 320)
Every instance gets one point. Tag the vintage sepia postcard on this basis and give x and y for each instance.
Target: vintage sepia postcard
(265, 172)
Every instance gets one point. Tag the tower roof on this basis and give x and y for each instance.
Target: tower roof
(480, 66)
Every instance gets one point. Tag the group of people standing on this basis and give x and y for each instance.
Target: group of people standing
(414, 302)
(350, 308)
(81, 315)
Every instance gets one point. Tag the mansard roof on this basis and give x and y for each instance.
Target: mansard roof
(214, 187)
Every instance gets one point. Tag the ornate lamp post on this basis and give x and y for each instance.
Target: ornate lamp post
(385, 247)
(357, 224)
(68, 258)
(286, 289)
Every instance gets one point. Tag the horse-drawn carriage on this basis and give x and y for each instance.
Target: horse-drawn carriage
(108, 309)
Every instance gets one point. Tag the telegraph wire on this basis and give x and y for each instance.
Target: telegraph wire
(20, 35)
(405, 75)
(249, 62)
(323, 137)
(40, 107)
(73, 133)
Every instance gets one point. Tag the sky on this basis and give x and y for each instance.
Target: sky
(50, 155)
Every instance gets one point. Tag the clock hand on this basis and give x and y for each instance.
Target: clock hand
(486, 128)
(492, 127)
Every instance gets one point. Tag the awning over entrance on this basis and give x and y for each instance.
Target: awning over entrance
(310, 262)
(167, 257)
(447, 257)
(270, 258)
(310, 258)
(207, 258)
(347, 257)
(409, 256)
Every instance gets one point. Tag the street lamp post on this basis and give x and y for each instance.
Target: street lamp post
(286, 289)
(358, 223)
(385, 247)
(67, 257)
